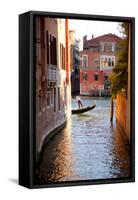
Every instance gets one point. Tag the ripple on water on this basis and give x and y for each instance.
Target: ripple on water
(88, 148)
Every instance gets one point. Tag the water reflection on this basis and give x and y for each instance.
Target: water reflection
(88, 148)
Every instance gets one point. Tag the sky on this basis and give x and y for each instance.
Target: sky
(97, 28)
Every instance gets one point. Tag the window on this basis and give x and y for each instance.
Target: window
(106, 77)
(105, 62)
(85, 61)
(47, 44)
(53, 50)
(102, 47)
(96, 77)
(113, 47)
(112, 62)
(108, 47)
(109, 62)
(84, 76)
(62, 56)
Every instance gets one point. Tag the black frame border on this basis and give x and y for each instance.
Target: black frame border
(27, 123)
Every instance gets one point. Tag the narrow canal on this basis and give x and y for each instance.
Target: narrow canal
(88, 148)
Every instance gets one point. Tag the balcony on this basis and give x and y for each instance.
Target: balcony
(52, 73)
(109, 68)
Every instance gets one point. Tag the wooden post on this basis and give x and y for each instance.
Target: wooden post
(112, 110)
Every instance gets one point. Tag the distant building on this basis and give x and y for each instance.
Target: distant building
(53, 99)
(98, 58)
(74, 63)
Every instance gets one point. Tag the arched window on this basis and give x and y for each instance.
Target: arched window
(109, 62)
(105, 62)
(112, 62)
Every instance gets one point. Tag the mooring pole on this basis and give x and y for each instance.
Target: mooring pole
(112, 110)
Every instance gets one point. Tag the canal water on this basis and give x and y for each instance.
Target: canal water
(89, 148)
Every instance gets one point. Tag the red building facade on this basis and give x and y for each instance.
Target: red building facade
(98, 58)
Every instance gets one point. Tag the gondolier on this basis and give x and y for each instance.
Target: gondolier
(79, 102)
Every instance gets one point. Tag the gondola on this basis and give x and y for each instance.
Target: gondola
(83, 110)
